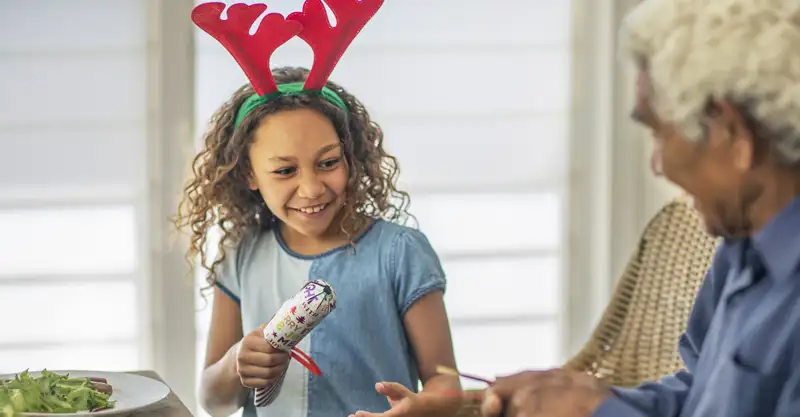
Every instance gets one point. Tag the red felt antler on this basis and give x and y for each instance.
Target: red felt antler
(328, 42)
(251, 52)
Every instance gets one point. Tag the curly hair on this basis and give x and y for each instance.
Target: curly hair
(744, 51)
(218, 196)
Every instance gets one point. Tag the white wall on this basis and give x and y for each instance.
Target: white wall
(612, 192)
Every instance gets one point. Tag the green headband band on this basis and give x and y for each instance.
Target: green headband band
(289, 89)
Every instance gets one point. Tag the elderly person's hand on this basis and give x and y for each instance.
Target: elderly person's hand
(555, 393)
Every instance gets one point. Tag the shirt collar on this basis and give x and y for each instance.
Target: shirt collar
(778, 242)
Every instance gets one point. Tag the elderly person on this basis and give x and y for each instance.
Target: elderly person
(719, 88)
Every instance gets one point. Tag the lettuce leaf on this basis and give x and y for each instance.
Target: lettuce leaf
(50, 393)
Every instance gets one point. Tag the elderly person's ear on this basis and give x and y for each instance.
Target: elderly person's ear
(727, 127)
(727, 117)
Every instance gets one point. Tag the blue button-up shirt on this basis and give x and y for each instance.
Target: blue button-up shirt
(742, 343)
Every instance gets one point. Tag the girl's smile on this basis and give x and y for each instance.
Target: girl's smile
(311, 210)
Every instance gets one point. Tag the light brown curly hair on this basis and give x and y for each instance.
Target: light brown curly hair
(218, 195)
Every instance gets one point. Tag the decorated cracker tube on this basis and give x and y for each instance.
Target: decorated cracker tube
(293, 321)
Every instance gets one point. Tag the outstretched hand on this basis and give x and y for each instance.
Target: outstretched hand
(402, 401)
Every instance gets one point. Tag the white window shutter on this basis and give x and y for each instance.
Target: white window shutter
(72, 127)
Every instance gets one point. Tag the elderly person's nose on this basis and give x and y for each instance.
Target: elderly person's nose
(656, 159)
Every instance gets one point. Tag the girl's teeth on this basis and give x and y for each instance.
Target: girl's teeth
(311, 210)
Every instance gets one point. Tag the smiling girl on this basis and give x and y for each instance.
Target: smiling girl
(298, 182)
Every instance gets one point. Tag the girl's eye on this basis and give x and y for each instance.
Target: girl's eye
(330, 163)
(284, 171)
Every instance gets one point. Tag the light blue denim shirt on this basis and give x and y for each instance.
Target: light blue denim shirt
(742, 343)
(363, 341)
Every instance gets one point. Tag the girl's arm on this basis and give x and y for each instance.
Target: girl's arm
(221, 390)
(429, 333)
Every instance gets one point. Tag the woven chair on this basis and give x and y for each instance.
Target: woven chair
(636, 339)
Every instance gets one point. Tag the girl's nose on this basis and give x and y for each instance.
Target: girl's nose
(311, 187)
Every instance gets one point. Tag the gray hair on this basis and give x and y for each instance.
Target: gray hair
(745, 51)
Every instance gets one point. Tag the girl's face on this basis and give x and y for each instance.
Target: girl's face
(299, 169)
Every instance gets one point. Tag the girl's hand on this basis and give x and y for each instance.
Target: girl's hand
(401, 399)
(258, 364)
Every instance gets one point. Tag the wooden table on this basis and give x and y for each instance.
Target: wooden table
(168, 407)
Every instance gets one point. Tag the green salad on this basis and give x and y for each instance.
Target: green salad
(50, 393)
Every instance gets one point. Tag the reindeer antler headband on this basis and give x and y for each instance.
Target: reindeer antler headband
(253, 52)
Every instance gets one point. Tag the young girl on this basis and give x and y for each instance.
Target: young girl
(295, 176)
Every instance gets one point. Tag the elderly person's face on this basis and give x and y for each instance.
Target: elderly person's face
(716, 171)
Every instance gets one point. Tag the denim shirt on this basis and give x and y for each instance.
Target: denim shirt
(742, 343)
(363, 341)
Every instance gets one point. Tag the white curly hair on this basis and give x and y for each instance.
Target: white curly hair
(745, 51)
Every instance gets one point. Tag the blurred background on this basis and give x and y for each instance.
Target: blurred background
(509, 119)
